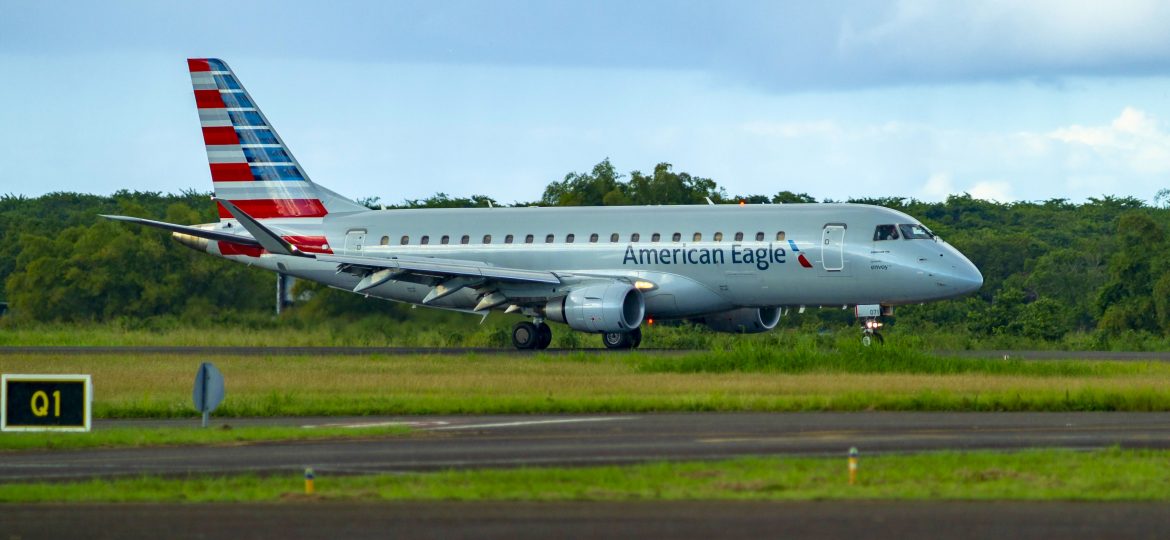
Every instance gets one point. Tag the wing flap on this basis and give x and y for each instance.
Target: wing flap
(445, 267)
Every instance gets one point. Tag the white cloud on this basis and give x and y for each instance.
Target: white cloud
(1134, 141)
(997, 39)
(992, 191)
(937, 187)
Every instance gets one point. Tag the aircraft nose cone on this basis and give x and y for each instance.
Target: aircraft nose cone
(967, 278)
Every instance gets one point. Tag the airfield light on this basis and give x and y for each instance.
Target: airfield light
(650, 321)
(853, 457)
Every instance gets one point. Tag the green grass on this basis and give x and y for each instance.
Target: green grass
(219, 434)
(1028, 475)
(743, 379)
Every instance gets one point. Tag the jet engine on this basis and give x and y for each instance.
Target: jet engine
(744, 320)
(609, 307)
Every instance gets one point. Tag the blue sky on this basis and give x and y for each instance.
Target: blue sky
(1005, 100)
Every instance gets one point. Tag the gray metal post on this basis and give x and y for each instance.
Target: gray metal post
(283, 292)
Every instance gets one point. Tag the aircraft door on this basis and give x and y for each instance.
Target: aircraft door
(354, 241)
(833, 247)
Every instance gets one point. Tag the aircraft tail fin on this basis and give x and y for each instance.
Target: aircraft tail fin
(250, 164)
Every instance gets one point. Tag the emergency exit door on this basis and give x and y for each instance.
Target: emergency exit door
(354, 241)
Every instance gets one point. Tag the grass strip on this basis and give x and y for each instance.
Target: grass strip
(159, 385)
(1112, 474)
(135, 437)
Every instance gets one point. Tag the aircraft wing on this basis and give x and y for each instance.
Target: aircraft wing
(437, 267)
(193, 231)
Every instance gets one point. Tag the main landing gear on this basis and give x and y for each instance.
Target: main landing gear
(622, 340)
(869, 332)
(526, 335)
(537, 335)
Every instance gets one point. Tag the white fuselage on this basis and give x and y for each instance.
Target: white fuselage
(725, 267)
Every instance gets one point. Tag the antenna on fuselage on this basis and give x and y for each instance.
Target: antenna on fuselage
(709, 201)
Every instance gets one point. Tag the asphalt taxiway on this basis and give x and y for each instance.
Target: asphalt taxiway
(441, 442)
(701, 520)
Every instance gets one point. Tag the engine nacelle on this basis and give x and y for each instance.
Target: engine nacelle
(744, 320)
(609, 307)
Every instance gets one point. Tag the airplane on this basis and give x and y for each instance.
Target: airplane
(603, 270)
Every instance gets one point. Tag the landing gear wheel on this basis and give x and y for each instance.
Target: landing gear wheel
(622, 340)
(543, 336)
(525, 335)
(616, 340)
(867, 340)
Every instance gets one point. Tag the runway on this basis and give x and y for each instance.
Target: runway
(700, 520)
(1144, 356)
(442, 442)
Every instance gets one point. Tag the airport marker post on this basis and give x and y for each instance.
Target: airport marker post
(853, 454)
(208, 391)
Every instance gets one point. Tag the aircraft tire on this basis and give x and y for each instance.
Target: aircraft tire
(543, 336)
(524, 335)
(617, 340)
(635, 337)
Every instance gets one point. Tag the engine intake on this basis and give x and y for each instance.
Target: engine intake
(610, 307)
(744, 320)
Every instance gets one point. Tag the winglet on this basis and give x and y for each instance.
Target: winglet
(267, 239)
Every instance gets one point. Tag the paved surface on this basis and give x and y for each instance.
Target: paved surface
(642, 520)
(502, 441)
(449, 351)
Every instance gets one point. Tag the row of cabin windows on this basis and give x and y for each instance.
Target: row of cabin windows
(570, 238)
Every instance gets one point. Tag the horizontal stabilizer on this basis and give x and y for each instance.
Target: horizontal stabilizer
(193, 231)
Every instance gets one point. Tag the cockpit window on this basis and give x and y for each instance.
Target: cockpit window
(885, 232)
(915, 232)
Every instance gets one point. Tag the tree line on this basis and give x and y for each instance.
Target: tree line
(1096, 268)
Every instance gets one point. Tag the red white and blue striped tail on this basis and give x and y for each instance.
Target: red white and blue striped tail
(250, 164)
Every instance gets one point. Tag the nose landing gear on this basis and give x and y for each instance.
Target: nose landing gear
(869, 332)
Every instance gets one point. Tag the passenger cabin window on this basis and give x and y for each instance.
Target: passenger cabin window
(885, 232)
(780, 236)
(549, 239)
(385, 241)
(739, 237)
(445, 240)
(613, 237)
(655, 237)
(593, 238)
(634, 237)
(915, 232)
(759, 237)
(405, 240)
(465, 239)
(528, 239)
(508, 239)
(425, 240)
(698, 237)
(718, 237)
(569, 238)
(676, 237)
(487, 238)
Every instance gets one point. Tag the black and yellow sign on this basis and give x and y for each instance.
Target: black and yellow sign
(45, 402)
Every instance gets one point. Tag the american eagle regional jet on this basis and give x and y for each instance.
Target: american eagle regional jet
(603, 270)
